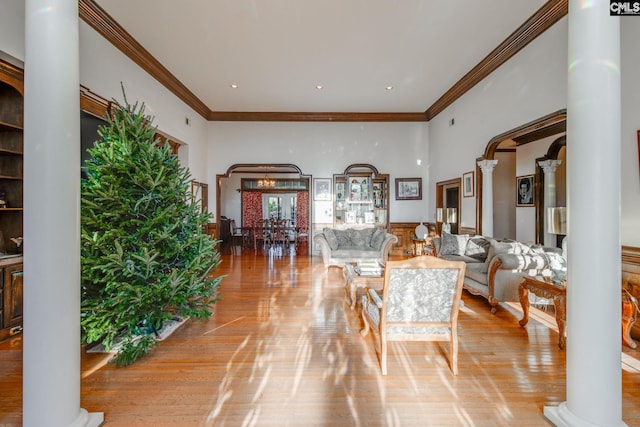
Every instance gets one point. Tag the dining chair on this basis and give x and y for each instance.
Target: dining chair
(302, 234)
(237, 234)
(280, 233)
(263, 231)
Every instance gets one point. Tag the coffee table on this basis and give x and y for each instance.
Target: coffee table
(549, 290)
(353, 281)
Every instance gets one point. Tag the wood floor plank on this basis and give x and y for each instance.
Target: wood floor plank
(284, 349)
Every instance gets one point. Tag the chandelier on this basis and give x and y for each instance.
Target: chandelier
(266, 182)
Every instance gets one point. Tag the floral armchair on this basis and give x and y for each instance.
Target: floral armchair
(420, 302)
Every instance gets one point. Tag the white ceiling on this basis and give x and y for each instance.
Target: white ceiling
(278, 51)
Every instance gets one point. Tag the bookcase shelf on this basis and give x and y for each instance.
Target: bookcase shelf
(11, 216)
(361, 198)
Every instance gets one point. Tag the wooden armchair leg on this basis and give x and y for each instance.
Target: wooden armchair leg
(383, 354)
(454, 355)
(365, 330)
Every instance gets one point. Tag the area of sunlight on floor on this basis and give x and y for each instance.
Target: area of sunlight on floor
(629, 363)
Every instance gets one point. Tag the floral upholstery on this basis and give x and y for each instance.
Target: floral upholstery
(416, 292)
(351, 245)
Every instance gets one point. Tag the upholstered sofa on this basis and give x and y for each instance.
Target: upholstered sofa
(495, 268)
(350, 245)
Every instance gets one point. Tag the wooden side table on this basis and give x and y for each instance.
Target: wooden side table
(353, 281)
(541, 288)
(423, 246)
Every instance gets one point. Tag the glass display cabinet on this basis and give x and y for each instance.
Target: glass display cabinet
(361, 198)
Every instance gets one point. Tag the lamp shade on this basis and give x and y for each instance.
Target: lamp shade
(557, 220)
(422, 231)
(452, 215)
(439, 214)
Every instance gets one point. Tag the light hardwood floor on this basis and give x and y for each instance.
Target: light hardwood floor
(284, 349)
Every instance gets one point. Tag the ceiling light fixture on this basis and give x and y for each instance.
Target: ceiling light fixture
(389, 88)
(266, 182)
(234, 86)
(319, 87)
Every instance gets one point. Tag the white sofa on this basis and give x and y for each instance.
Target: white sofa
(495, 269)
(341, 246)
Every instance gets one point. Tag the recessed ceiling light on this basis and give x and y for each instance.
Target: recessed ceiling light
(234, 86)
(389, 88)
(319, 87)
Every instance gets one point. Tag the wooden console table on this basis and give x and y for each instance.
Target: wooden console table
(550, 291)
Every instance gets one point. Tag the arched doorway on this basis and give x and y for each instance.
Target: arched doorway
(248, 192)
(556, 151)
(548, 126)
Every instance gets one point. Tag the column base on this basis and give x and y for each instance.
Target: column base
(561, 416)
(88, 419)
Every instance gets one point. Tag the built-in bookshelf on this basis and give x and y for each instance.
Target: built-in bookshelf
(361, 198)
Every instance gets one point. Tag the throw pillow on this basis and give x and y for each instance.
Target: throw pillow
(477, 248)
(453, 244)
(358, 238)
(497, 248)
(343, 237)
(378, 238)
(331, 238)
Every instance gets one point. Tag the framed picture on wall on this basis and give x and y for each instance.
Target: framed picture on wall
(408, 188)
(525, 191)
(322, 189)
(467, 184)
(369, 218)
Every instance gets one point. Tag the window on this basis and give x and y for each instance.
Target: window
(280, 206)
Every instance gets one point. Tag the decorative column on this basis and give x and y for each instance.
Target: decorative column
(51, 350)
(487, 167)
(549, 167)
(594, 377)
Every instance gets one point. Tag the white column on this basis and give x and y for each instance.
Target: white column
(594, 378)
(549, 167)
(51, 352)
(487, 167)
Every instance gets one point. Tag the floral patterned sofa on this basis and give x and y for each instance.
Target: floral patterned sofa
(495, 268)
(350, 245)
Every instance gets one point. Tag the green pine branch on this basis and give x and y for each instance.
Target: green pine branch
(145, 258)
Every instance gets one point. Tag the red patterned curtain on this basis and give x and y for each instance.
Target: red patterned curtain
(302, 211)
(251, 208)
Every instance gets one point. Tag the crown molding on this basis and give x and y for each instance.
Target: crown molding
(222, 116)
(550, 13)
(106, 26)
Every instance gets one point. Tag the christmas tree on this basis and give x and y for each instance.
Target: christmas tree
(145, 257)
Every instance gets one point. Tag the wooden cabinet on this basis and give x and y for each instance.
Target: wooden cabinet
(11, 199)
(405, 232)
(361, 198)
(11, 166)
(11, 288)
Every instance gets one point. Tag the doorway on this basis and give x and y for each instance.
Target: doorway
(549, 126)
(249, 193)
(448, 205)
